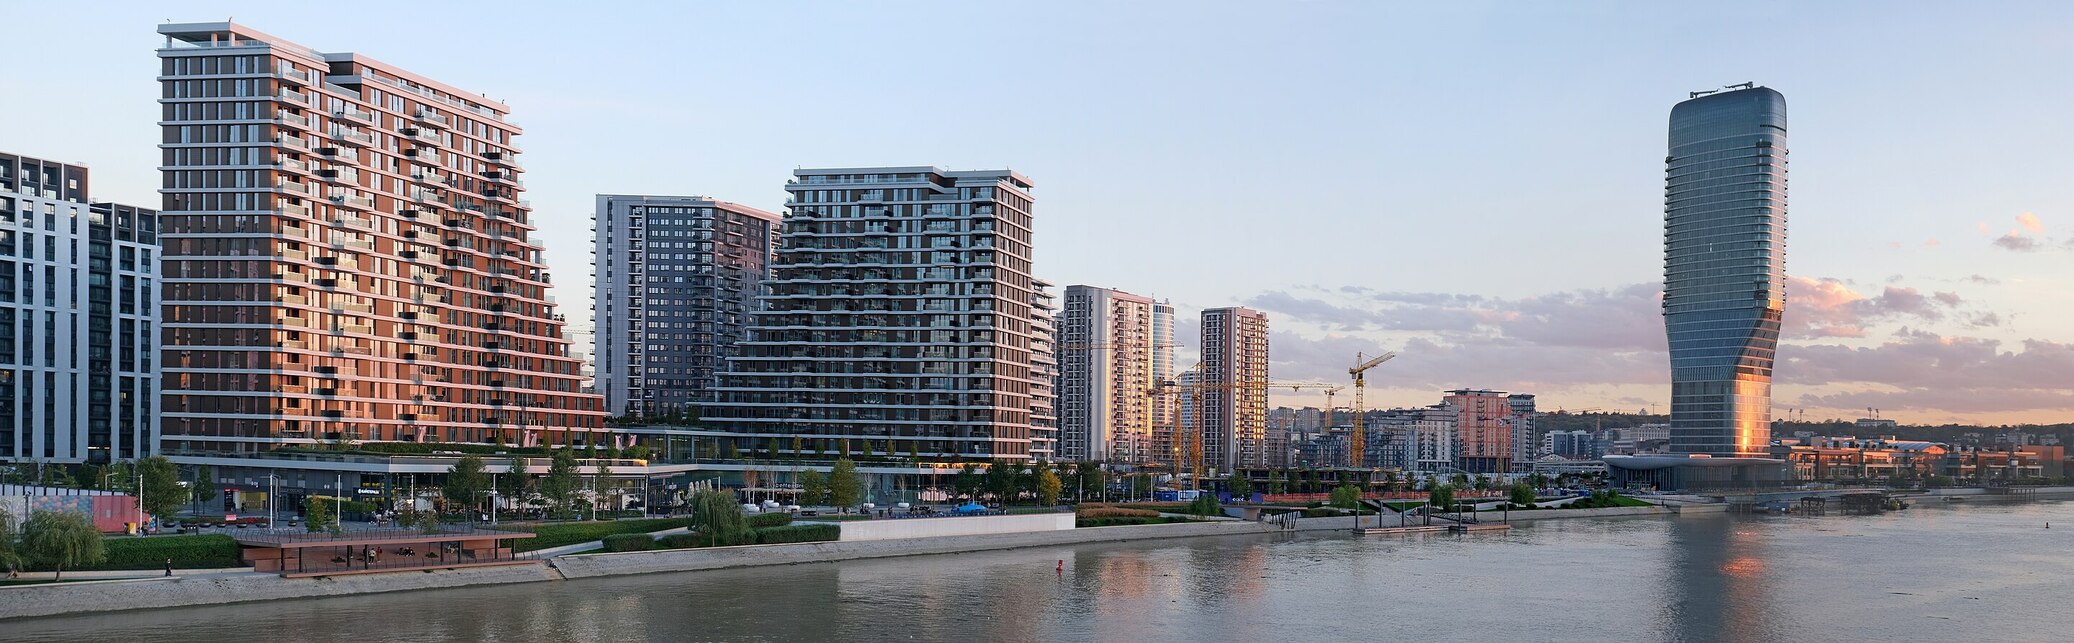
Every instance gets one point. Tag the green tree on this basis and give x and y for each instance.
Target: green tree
(10, 557)
(718, 517)
(914, 450)
(515, 485)
(845, 487)
(1483, 483)
(813, 487)
(1346, 496)
(1538, 480)
(1522, 494)
(61, 539)
(465, 482)
(1204, 505)
(318, 515)
(1390, 480)
(1275, 482)
(163, 493)
(602, 487)
(1142, 485)
(1097, 480)
(1240, 488)
(1001, 481)
(771, 451)
(733, 452)
(1442, 497)
(968, 481)
(560, 484)
(1048, 487)
(205, 488)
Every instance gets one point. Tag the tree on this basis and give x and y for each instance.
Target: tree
(1204, 506)
(813, 487)
(771, 452)
(1522, 494)
(204, 489)
(914, 450)
(717, 516)
(1098, 480)
(1442, 497)
(1458, 481)
(513, 485)
(1275, 482)
(1538, 480)
(560, 483)
(1001, 481)
(967, 482)
(1483, 483)
(845, 487)
(1240, 487)
(10, 558)
(1346, 496)
(1048, 487)
(601, 486)
(318, 515)
(1142, 485)
(163, 493)
(61, 539)
(733, 452)
(465, 482)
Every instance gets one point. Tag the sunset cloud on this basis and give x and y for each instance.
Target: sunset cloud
(2016, 241)
(2030, 222)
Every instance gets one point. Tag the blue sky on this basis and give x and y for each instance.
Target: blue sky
(1475, 185)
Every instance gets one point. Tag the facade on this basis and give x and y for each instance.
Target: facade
(1173, 446)
(347, 260)
(1483, 429)
(1433, 440)
(79, 303)
(1526, 439)
(675, 280)
(1572, 445)
(1163, 371)
(1234, 395)
(1044, 372)
(900, 315)
(1724, 267)
(1106, 371)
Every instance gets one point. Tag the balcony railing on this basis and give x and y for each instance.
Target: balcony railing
(298, 98)
(294, 188)
(355, 136)
(293, 142)
(363, 203)
(354, 115)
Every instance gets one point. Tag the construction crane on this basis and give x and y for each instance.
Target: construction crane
(1192, 445)
(1358, 442)
(1328, 405)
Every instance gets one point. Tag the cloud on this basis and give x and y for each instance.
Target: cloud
(2030, 222)
(1921, 370)
(1830, 308)
(1983, 280)
(2017, 242)
(1932, 242)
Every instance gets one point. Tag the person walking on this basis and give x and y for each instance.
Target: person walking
(169, 568)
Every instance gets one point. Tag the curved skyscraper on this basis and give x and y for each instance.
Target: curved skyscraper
(1724, 267)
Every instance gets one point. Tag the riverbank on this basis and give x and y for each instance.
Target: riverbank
(237, 586)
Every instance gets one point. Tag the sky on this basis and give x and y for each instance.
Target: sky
(1475, 186)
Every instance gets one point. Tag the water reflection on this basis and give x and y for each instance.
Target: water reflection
(1988, 572)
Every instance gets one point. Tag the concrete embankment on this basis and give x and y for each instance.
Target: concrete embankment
(186, 591)
(681, 560)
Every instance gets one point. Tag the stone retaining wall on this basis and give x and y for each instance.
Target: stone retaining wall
(184, 591)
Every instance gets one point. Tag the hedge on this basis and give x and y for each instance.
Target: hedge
(681, 541)
(1116, 512)
(797, 534)
(629, 542)
(211, 551)
(1119, 522)
(758, 521)
(559, 534)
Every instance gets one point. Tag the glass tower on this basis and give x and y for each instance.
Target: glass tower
(1724, 267)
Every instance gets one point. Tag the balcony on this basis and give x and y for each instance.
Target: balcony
(297, 232)
(421, 136)
(352, 136)
(294, 97)
(292, 165)
(297, 121)
(427, 196)
(299, 77)
(354, 115)
(426, 116)
(293, 209)
(429, 178)
(423, 154)
(343, 177)
(348, 200)
(293, 143)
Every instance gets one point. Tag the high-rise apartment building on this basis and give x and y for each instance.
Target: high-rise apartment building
(1044, 372)
(78, 319)
(675, 280)
(901, 315)
(347, 259)
(1234, 395)
(1433, 441)
(1163, 370)
(1724, 267)
(1107, 371)
(1526, 438)
(1483, 430)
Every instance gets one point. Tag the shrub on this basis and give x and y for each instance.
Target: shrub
(759, 521)
(188, 552)
(1322, 512)
(1205, 505)
(797, 534)
(1126, 521)
(1116, 512)
(556, 535)
(629, 542)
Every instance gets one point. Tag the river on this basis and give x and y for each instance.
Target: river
(1981, 571)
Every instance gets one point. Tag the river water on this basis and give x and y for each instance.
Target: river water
(1981, 571)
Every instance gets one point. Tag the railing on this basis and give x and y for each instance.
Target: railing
(355, 135)
(298, 98)
(354, 114)
(293, 141)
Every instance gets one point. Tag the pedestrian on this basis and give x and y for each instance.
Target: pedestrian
(169, 568)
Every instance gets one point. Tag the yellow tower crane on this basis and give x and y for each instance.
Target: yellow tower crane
(1358, 445)
(1137, 450)
(1328, 405)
